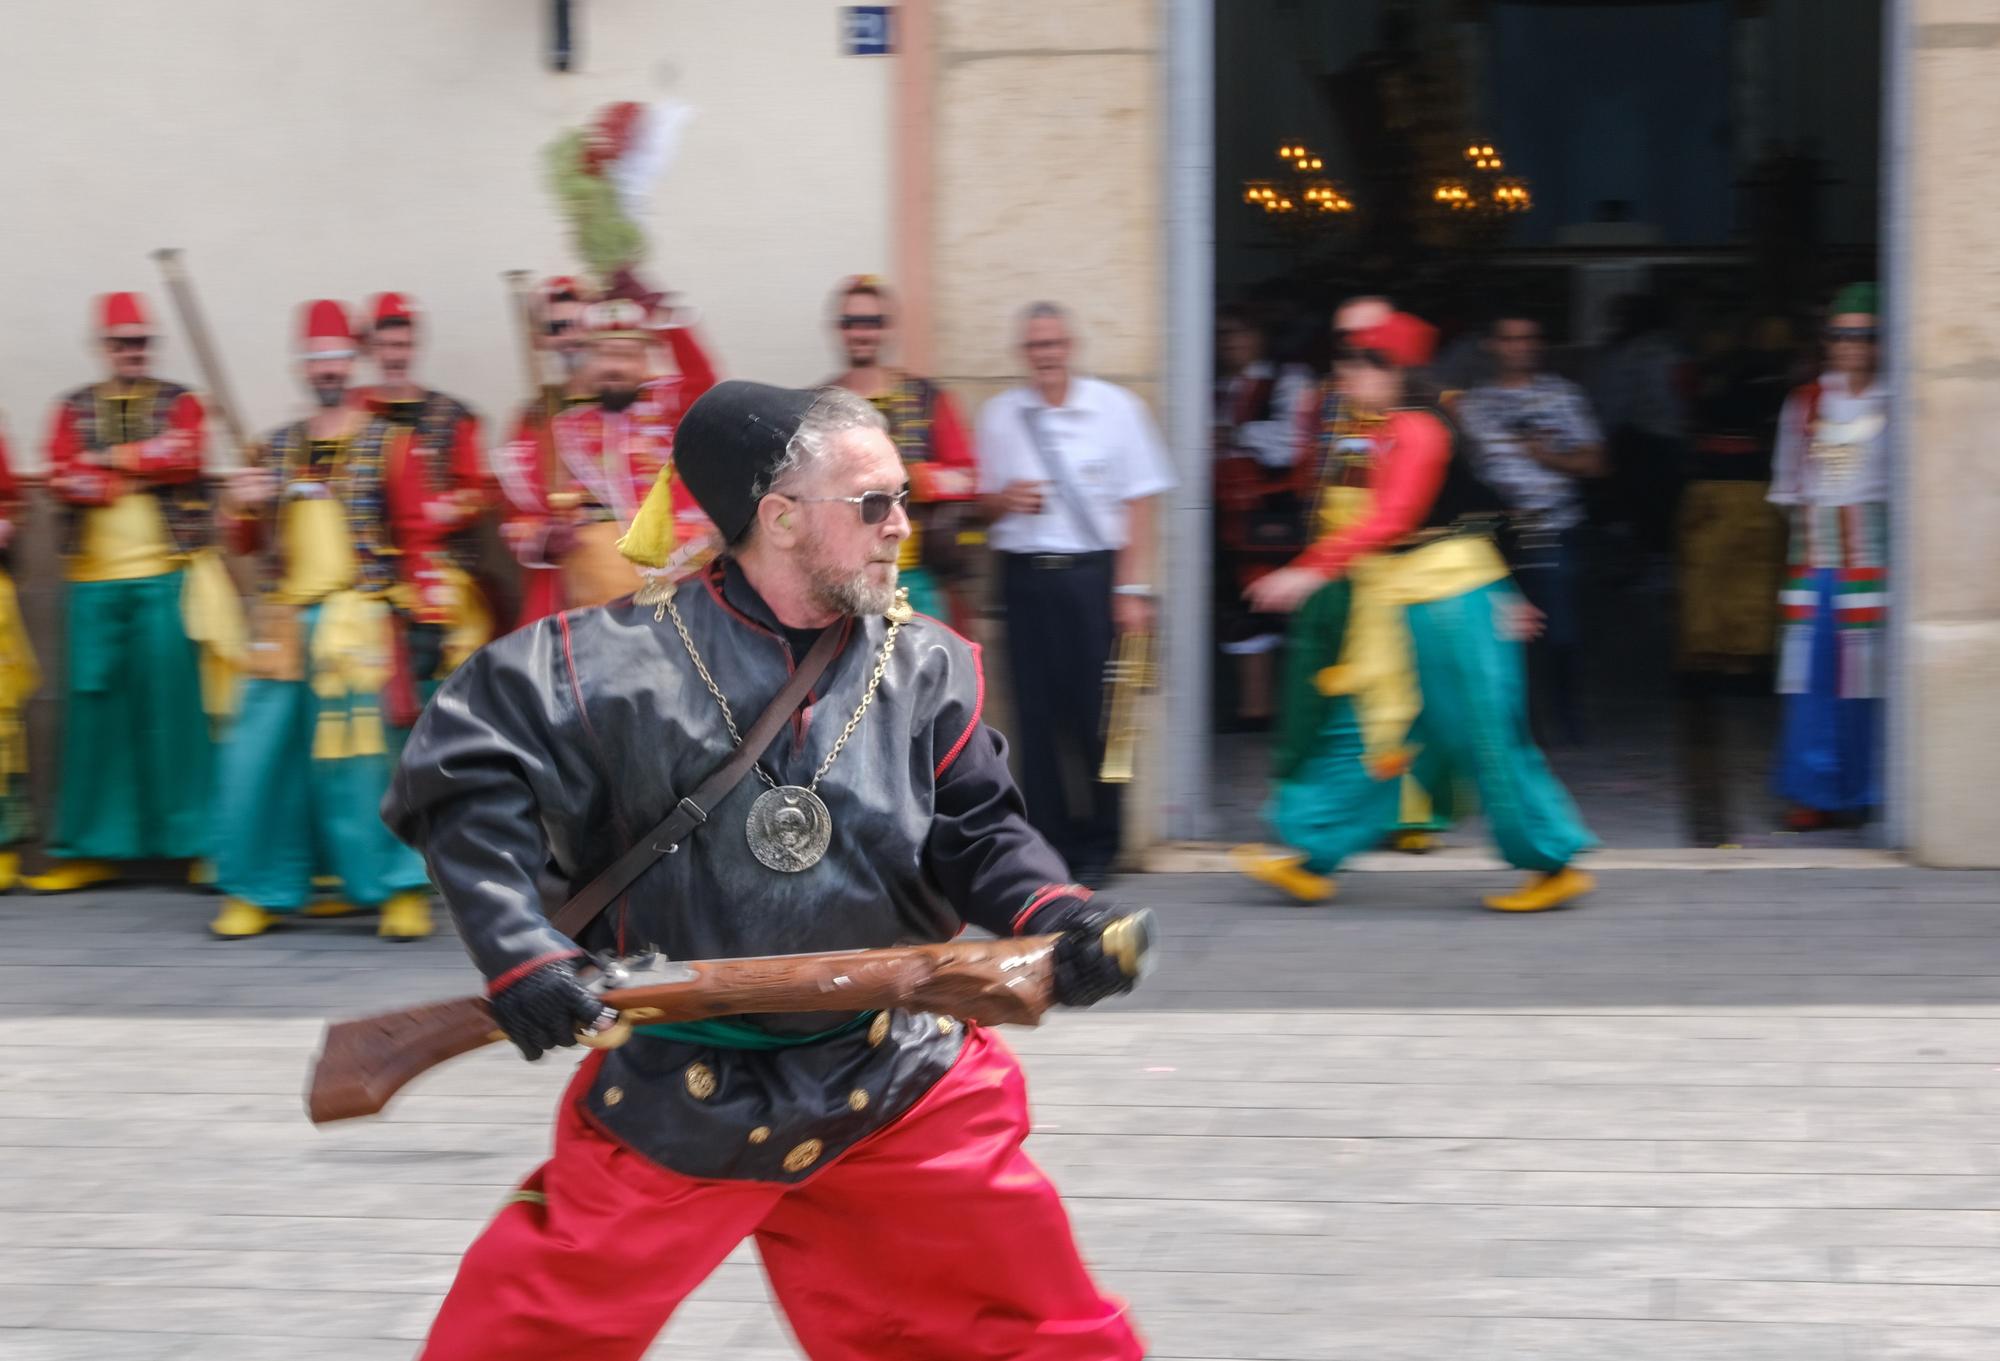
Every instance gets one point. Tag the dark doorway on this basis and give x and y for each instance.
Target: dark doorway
(1713, 164)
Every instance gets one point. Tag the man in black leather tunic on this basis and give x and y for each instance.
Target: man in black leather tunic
(876, 1158)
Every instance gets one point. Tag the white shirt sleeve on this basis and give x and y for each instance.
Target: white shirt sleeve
(1579, 418)
(1144, 464)
(995, 444)
(1788, 459)
(1275, 443)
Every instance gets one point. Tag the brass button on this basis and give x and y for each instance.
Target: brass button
(946, 1025)
(760, 1134)
(857, 1100)
(804, 1156)
(613, 1095)
(700, 1081)
(878, 1029)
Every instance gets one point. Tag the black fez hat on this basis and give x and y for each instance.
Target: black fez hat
(728, 443)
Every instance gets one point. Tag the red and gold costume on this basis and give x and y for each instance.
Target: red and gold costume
(444, 440)
(125, 461)
(307, 762)
(570, 497)
(20, 677)
(924, 423)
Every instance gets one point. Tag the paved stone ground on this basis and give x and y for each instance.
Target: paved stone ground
(1714, 1115)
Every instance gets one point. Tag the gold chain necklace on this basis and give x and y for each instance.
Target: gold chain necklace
(789, 827)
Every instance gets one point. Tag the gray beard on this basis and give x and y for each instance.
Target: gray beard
(329, 396)
(854, 595)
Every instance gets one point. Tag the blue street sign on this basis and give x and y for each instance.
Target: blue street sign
(865, 30)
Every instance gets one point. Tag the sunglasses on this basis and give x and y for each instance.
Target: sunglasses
(561, 327)
(1850, 333)
(858, 322)
(131, 344)
(874, 505)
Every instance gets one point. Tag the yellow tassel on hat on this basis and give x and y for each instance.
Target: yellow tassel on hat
(650, 541)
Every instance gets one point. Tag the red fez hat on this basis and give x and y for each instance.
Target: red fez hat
(123, 314)
(1405, 341)
(617, 319)
(389, 307)
(326, 320)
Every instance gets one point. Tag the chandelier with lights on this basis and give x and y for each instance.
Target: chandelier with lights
(1301, 191)
(1484, 188)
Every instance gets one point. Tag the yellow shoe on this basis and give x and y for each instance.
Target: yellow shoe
(201, 874)
(1544, 891)
(10, 870)
(329, 907)
(1284, 871)
(1413, 843)
(238, 920)
(407, 916)
(71, 876)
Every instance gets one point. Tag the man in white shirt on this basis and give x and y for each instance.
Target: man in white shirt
(1069, 469)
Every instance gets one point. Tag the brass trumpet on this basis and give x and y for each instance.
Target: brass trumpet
(1129, 675)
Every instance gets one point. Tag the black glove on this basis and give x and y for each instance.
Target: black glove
(1085, 974)
(543, 1010)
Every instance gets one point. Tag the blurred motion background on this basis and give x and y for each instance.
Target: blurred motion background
(1726, 163)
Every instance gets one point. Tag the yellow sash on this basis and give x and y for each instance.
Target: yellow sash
(319, 553)
(20, 677)
(352, 654)
(471, 624)
(212, 614)
(124, 541)
(1377, 662)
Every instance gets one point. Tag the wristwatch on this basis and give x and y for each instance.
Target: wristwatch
(1138, 588)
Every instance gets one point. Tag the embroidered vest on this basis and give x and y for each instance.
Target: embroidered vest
(102, 421)
(354, 475)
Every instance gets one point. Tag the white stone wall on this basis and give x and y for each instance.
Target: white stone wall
(1950, 594)
(298, 150)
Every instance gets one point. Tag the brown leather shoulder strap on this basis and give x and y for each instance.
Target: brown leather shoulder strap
(583, 909)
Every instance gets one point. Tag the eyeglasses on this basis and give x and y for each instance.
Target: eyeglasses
(874, 505)
(561, 326)
(131, 344)
(857, 322)
(1850, 333)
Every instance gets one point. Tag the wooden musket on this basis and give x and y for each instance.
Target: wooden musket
(363, 1063)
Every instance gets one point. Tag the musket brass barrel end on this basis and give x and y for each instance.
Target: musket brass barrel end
(1129, 941)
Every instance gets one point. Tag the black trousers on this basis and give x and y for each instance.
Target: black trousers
(1059, 638)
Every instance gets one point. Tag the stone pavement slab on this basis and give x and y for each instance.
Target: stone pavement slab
(1735, 1115)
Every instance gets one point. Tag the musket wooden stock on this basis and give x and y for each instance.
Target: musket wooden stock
(363, 1063)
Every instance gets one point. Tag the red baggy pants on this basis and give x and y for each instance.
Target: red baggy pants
(934, 1237)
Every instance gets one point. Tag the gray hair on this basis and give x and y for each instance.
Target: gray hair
(834, 412)
(1046, 311)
